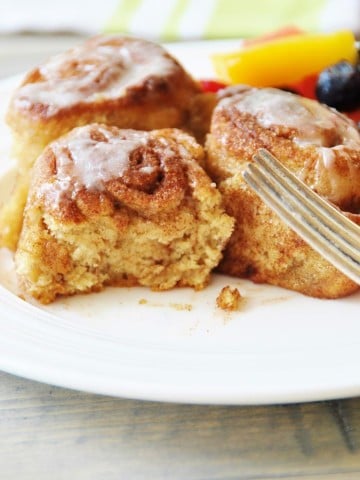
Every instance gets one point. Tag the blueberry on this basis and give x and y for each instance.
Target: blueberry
(339, 86)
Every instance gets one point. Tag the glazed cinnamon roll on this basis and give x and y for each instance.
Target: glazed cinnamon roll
(120, 207)
(321, 146)
(116, 80)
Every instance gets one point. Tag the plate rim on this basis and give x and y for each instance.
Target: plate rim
(233, 394)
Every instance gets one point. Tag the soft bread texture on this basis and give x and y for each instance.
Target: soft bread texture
(120, 207)
(114, 80)
(320, 146)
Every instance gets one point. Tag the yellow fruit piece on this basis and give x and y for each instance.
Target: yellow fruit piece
(285, 61)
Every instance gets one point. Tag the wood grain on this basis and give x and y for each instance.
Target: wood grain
(48, 432)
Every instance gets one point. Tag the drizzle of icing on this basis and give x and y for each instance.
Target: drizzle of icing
(335, 138)
(100, 69)
(144, 171)
(84, 161)
(315, 124)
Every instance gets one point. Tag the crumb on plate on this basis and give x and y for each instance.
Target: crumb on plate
(229, 299)
(181, 306)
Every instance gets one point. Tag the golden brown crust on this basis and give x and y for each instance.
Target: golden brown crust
(202, 107)
(229, 299)
(152, 182)
(143, 211)
(336, 178)
(262, 248)
(103, 74)
(115, 80)
(201, 110)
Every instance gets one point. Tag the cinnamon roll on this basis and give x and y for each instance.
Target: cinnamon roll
(109, 206)
(321, 146)
(116, 80)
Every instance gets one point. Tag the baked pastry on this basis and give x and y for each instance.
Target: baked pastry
(229, 299)
(202, 107)
(109, 206)
(201, 111)
(116, 80)
(321, 146)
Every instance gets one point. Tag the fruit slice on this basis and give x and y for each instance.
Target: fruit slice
(280, 33)
(285, 60)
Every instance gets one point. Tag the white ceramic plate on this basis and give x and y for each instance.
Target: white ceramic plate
(177, 345)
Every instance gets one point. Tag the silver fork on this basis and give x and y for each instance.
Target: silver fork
(321, 225)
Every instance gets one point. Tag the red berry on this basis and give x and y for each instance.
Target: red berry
(212, 85)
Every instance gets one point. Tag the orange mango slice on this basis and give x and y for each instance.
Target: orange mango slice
(286, 60)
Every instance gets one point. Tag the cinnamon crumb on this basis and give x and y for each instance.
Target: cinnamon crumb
(229, 299)
(181, 306)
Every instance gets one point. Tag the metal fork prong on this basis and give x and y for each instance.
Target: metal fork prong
(349, 267)
(286, 183)
(298, 207)
(277, 169)
(265, 189)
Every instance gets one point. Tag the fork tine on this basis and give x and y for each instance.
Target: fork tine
(285, 196)
(345, 264)
(313, 207)
(298, 208)
(277, 169)
(332, 219)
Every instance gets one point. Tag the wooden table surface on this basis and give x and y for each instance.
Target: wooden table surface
(53, 433)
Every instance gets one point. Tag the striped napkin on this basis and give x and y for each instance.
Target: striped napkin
(179, 19)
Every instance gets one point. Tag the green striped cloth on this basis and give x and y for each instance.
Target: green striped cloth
(180, 19)
(204, 19)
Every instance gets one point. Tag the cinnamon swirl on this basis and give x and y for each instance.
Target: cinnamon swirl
(319, 145)
(120, 207)
(116, 80)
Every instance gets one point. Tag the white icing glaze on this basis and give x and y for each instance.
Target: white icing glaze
(84, 162)
(311, 120)
(334, 170)
(95, 71)
(328, 157)
(147, 169)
